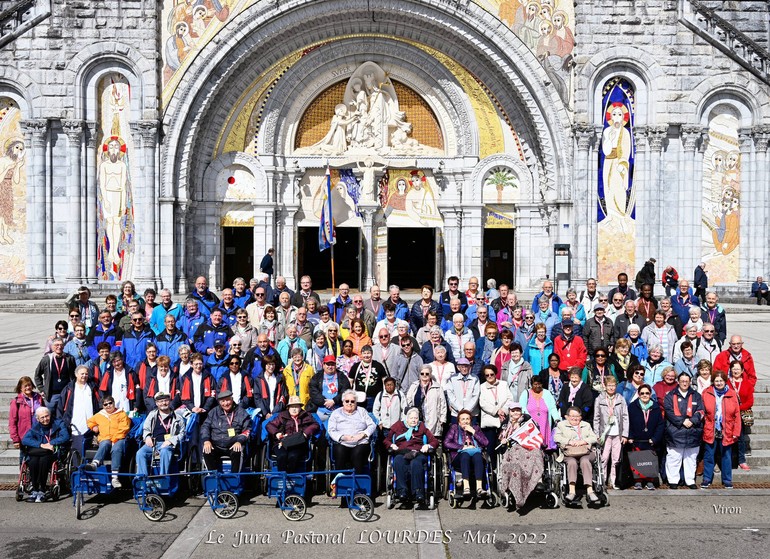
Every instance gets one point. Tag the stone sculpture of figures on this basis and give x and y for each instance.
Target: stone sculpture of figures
(616, 146)
(335, 142)
(369, 168)
(11, 164)
(113, 183)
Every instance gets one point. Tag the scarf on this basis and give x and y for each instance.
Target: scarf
(461, 438)
(573, 390)
(407, 436)
(719, 394)
(623, 361)
(646, 406)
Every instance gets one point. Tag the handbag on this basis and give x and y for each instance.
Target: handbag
(576, 451)
(747, 416)
(293, 441)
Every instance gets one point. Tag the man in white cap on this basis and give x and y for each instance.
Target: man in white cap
(463, 391)
(162, 431)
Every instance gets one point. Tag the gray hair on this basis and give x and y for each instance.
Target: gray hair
(435, 328)
(542, 299)
(491, 283)
(41, 410)
(349, 392)
(183, 346)
(79, 367)
(165, 290)
(654, 347)
(457, 315)
(571, 290)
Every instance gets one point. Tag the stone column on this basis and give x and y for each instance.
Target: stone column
(656, 135)
(165, 240)
(472, 239)
(593, 204)
(75, 199)
(89, 212)
(582, 210)
(181, 235)
(286, 248)
(36, 137)
(748, 198)
(368, 212)
(762, 205)
(452, 252)
(145, 198)
(264, 233)
(690, 201)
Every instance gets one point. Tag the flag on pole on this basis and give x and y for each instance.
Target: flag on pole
(326, 229)
(528, 436)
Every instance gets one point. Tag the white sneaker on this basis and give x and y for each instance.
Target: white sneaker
(40, 497)
(116, 482)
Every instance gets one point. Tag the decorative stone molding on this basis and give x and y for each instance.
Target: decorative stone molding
(74, 130)
(690, 135)
(761, 137)
(585, 134)
(640, 138)
(656, 136)
(36, 131)
(517, 167)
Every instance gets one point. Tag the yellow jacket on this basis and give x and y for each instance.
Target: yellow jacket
(112, 427)
(304, 382)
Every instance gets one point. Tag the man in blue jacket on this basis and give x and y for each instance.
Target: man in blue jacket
(135, 341)
(760, 290)
(205, 298)
(683, 300)
(211, 331)
(548, 292)
(166, 307)
(700, 281)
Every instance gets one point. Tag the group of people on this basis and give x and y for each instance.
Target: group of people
(470, 368)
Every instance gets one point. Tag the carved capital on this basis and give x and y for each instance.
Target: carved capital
(91, 130)
(35, 131)
(147, 131)
(656, 135)
(761, 137)
(74, 130)
(690, 135)
(745, 139)
(584, 133)
(640, 138)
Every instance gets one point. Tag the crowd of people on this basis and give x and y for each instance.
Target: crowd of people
(625, 371)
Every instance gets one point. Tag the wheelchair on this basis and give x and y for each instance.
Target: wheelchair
(430, 480)
(489, 483)
(548, 486)
(357, 489)
(56, 482)
(597, 482)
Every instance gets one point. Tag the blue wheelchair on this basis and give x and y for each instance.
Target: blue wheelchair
(431, 479)
(456, 498)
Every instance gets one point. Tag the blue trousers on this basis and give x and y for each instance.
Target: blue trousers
(116, 450)
(742, 445)
(410, 473)
(144, 457)
(725, 464)
(463, 462)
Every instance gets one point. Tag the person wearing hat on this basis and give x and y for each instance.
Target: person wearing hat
(570, 348)
(81, 303)
(410, 441)
(289, 455)
(463, 392)
(326, 388)
(638, 347)
(162, 430)
(521, 466)
(225, 433)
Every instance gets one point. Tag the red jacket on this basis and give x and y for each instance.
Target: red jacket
(20, 418)
(731, 416)
(133, 390)
(723, 360)
(745, 390)
(572, 353)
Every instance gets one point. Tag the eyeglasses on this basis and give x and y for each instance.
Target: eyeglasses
(736, 343)
(348, 401)
(424, 374)
(490, 375)
(529, 317)
(638, 374)
(74, 316)
(645, 393)
(61, 327)
(109, 404)
(259, 294)
(708, 331)
(137, 320)
(329, 364)
(406, 344)
(601, 356)
(384, 337)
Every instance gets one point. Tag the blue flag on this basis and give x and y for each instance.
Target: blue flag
(326, 229)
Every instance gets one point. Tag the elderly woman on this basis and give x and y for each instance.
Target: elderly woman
(520, 468)
(127, 294)
(487, 343)
(577, 394)
(39, 445)
(410, 441)
(427, 395)
(645, 428)
(539, 348)
(703, 378)
(465, 444)
(622, 360)
(436, 340)
(540, 405)
(494, 398)
(442, 370)
(575, 438)
(23, 408)
(245, 331)
(721, 429)
(743, 384)
(284, 431)
(517, 372)
(367, 378)
(684, 431)
(653, 370)
(183, 364)
(611, 422)
(578, 311)
(297, 375)
(629, 388)
(317, 352)
(351, 428)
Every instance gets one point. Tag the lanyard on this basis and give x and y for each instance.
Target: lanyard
(493, 389)
(465, 387)
(646, 414)
(166, 427)
(611, 404)
(59, 366)
(230, 419)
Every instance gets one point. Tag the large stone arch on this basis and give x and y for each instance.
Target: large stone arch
(22, 89)
(744, 104)
(470, 35)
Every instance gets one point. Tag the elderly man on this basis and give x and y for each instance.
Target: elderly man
(167, 307)
(304, 326)
(700, 281)
(401, 308)
(385, 352)
(630, 316)
(502, 299)
(554, 300)
(54, 373)
(135, 340)
(408, 364)
(338, 304)
(280, 287)
(598, 331)
(452, 292)
(228, 307)
(252, 362)
(211, 331)
(105, 331)
(462, 391)
(205, 298)
(82, 304)
(735, 352)
(162, 431)
(570, 348)
(683, 300)
(458, 335)
(256, 310)
(710, 346)
(286, 313)
(566, 314)
(306, 291)
(760, 290)
(589, 297)
(225, 433)
(478, 325)
(713, 313)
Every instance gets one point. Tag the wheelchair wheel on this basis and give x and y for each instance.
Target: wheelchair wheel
(493, 500)
(158, 507)
(264, 466)
(79, 505)
(55, 492)
(505, 500)
(445, 477)
(294, 507)
(551, 500)
(19, 493)
(74, 459)
(389, 501)
(453, 503)
(604, 499)
(432, 502)
(229, 503)
(362, 508)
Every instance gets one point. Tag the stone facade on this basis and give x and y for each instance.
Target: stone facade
(688, 62)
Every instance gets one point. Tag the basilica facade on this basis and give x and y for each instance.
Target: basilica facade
(158, 140)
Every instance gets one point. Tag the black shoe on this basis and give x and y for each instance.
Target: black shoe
(692, 486)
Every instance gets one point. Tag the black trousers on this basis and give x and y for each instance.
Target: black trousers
(213, 460)
(356, 458)
(40, 461)
(290, 460)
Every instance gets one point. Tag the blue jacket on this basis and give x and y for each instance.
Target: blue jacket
(244, 300)
(207, 334)
(719, 322)
(415, 316)
(426, 352)
(640, 432)
(337, 308)
(472, 314)
(756, 287)
(551, 319)
(36, 436)
(78, 349)
(701, 279)
(677, 435)
(228, 315)
(402, 311)
(134, 346)
(639, 349)
(159, 314)
(556, 302)
(681, 308)
(217, 367)
(533, 356)
(113, 335)
(252, 361)
(206, 302)
(189, 325)
(169, 344)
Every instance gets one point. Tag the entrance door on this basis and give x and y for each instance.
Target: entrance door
(238, 254)
(317, 264)
(498, 256)
(411, 257)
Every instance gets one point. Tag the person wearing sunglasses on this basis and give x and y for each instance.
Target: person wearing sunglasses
(60, 332)
(351, 428)
(629, 388)
(494, 399)
(645, 429)
(80, 303)
(135, 341)
(428, 396)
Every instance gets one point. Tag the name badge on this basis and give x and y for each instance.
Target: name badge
(166, 437)
(231, 432)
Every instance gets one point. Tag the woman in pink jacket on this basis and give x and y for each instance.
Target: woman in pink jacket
(23, 408)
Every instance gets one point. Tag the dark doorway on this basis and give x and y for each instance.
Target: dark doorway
(237, 254)
(411, 257)
(498, 256)
(317, 264)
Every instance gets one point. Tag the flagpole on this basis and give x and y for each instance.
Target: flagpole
(331, 218)
(332, 255)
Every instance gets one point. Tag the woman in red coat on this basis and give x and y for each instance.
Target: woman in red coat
(743, 384)
(721, 428)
